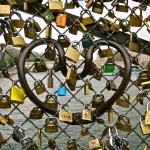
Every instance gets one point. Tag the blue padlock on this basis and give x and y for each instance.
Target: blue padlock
(61, 91)
(86, 42)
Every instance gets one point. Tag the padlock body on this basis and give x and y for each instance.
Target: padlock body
(121, 125)
(4, 103)
(61, 91)
(52, 103)
(36, 114)
(51, 127)
(65, 116)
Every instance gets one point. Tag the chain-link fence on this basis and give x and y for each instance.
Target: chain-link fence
(57, 77)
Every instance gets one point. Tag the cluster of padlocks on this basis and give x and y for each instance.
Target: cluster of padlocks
(53, 11)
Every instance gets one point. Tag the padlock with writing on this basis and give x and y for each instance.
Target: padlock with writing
(114, 141)
(18, 133)
(36, 113)
(147, 115)
(125, 25)
(122, 8)
(61, 90)
(2, 51)
(87, 114)
(69, 5)
(40, 65)
(51, 101)
(50, 79)
(50, 53)
(124, 101)
(71, 78)
(98, 7)
(5, 10)
(47, 16)
(4, 101)
(136, 20)
(28, 144)
(51, 125)
(61, 20)
(71, 144)
(63, 40)
(123, 125)
(72, 53)
(39, 87)
(109, 66)
(110, 85)
(2, 140)
(98, 100)
(133, 43)
(65, 116)
(145, 128)
(55, 6)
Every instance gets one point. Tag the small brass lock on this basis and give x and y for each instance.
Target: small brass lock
(87, 114)
(86, 87)
(4, 120)
(2, 140)
(98, 100)
(98, 7)
(51, 101)
(51, 125)
(55, 6)
(48, 30)
(122, 8)
(147, 115)
(36, 113)
(145, 128)
(80, 25)
(50, 53)
(89, 4)
(145, 85)
(125, 25)
(94, 144)
(110, 115)
(71, 144)
(39, 87)
(5, 10)
(4, 101)
(63, 40)
(122, 124)
(40, 66)
(105, 53)
(73, 30)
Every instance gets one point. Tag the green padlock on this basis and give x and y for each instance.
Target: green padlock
(109, 66)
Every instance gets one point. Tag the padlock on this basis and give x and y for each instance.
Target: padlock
(94, 144)
(145, 85)
(5, 10)
(73, 29)
(124, 101)
(98, 100)
(136, 20)
(71, 144)
(105, 53)
(84, 132)
(16, 94)
(51, 144)
(36, 113)
(125, 25)
(146, 20)
(71, 78)
(123, 125)
(111, 14)
(61, 91)
(25, 6)
(122, 8)
(114, 26)
(110, 115)
(47, 16)
(148, 66)
(63, 40)
(4, 120)
(51, 125)
(86, 20)
(80, 25)
(28, 144)
(65, 116)
(39, 87)
(9, 21)
(86, 41)
(86, 87)
(109, 66)
(89, 4)
(18, 133)
(2, 140)
(61, 20)
(69, 5)
(104, 25)
(48, 30)
(51, 101)
(13, 3)
(87, 114)
(55, 6)
(4, 101)
(133, 43)
(2, 51)
(50, 52)
(40, 65)
(145, 128)
(50, 79)
(147, 115)
(114, 141)
(72, 53)
(98, 7)
(110, 85)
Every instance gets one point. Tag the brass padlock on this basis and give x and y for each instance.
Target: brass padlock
(5, 10)
(87, 114)
(71, 78)
(89, 4)
(39, 87)
(124, 101)
(114, 26)
(72, 53)
(47, 16)
(110, 115)
(2, 140)
(146, 20)
(51, 101)
(136, 20)
(48, 30)
(69, 5)
(123, 125)
(104, 25)
(25, 6)
(55, 6)
(84, 132)
(86, 20)
(145, 85)
(110, 85)
(133, 43)
(50, 79)
(147, 115)
(51, 125)
(145, 128)
(122, 8)
(61, 20)
(39, 137)
(50, 52)
(65, 116)
(86, 87)
(94, 144)
(98, 100)
(40, 65)
(36, 113)
(111, 14)
(63, 40)
(73, 29)
(80, 25)
(9, 21)
(98, 7)
(105, 53)
(16, 94)
(71, 144)
(4, 101)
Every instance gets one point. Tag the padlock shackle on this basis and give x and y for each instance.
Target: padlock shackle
(15, 13)
(50, 119)
(113, 127)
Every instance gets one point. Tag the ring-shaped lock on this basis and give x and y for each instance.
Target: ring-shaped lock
(122, 8)
(63, 40)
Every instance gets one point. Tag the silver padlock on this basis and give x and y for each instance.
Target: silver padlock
(2, 51)
(18, 133)
(114, 142)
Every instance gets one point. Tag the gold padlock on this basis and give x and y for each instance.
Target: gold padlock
(65, 116)
(39, 137)
(48, 30)
(51, 125)
(40, 65)
(86, 87)
(51, 101)
(73, 30)
(4, 10)
(89, 4)
(71, 78)
(136, 20)
(110, 85)
(87, 114)
(50, 79)
(122, 8)
(80, 25)
(4, 120)
(110, 115)
(111, 14)
(16, 94)
(50, 52)
(98, 100)
(147, 115)
(114, 26)
(56, 6)
(36, 113)
(98, 7)
(94, 144)
(145, 85)
(4, 101)
(123, 125)
(71, 144)
(145, 128)
(39, 87)
(25, 6)
(64, 40)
